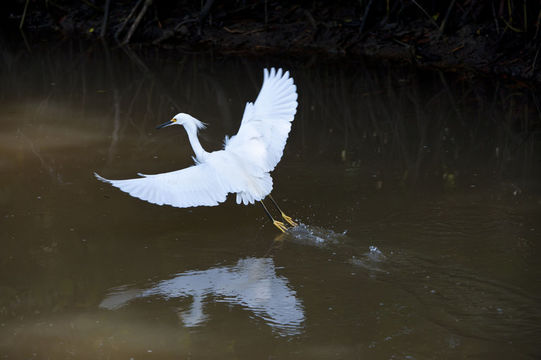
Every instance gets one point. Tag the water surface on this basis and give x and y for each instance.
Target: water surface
(418, 195)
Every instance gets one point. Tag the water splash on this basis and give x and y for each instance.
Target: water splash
(315, 236)
(370, 260)
(375, 254)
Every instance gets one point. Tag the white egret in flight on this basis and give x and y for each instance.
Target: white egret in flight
(242, 167)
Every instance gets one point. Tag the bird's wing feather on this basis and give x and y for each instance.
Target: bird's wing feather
(197, 185)
(266, 123)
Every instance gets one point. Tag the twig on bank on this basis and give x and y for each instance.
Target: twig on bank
(508, 25)
(105, 19)
(537, 23)
(444, 22)
(137, 21)
(427, 14)
(132, 12)
(365, 15)
(460, 47)
(495, 19)
(25, 40)
(205, 11)
(24, 14)
(236, 31)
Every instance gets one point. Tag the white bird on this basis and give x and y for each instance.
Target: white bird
(242, 167)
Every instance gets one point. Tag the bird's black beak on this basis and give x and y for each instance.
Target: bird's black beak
(167, 123)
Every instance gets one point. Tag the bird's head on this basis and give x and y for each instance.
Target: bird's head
(186, 120)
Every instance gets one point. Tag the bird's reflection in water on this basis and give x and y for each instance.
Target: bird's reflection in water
(251, 283)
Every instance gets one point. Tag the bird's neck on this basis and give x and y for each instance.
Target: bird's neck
(200, 153)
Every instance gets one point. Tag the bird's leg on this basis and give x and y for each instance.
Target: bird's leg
(284, 216)
(280, 225)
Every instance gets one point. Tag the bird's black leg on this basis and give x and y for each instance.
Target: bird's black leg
(280, 225)
(284, 216)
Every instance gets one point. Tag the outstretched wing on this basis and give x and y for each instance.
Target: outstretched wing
(266, 123)
(197, 185)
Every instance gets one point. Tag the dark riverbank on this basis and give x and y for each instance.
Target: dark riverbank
(493, 37)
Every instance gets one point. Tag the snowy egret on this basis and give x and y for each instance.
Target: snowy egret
(242, 167)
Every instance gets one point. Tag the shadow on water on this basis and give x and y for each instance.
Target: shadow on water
(251, 284)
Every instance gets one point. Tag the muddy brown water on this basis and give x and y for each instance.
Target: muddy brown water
(418, 196)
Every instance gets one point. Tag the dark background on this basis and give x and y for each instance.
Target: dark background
(495, 37)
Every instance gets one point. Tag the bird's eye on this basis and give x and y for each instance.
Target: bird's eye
(173, 120)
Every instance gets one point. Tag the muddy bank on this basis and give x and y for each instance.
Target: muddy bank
(494, 37)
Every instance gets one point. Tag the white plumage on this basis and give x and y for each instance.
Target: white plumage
(242, 167)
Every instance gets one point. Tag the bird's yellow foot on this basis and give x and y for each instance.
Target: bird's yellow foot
(280, 225)
(289, 220)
